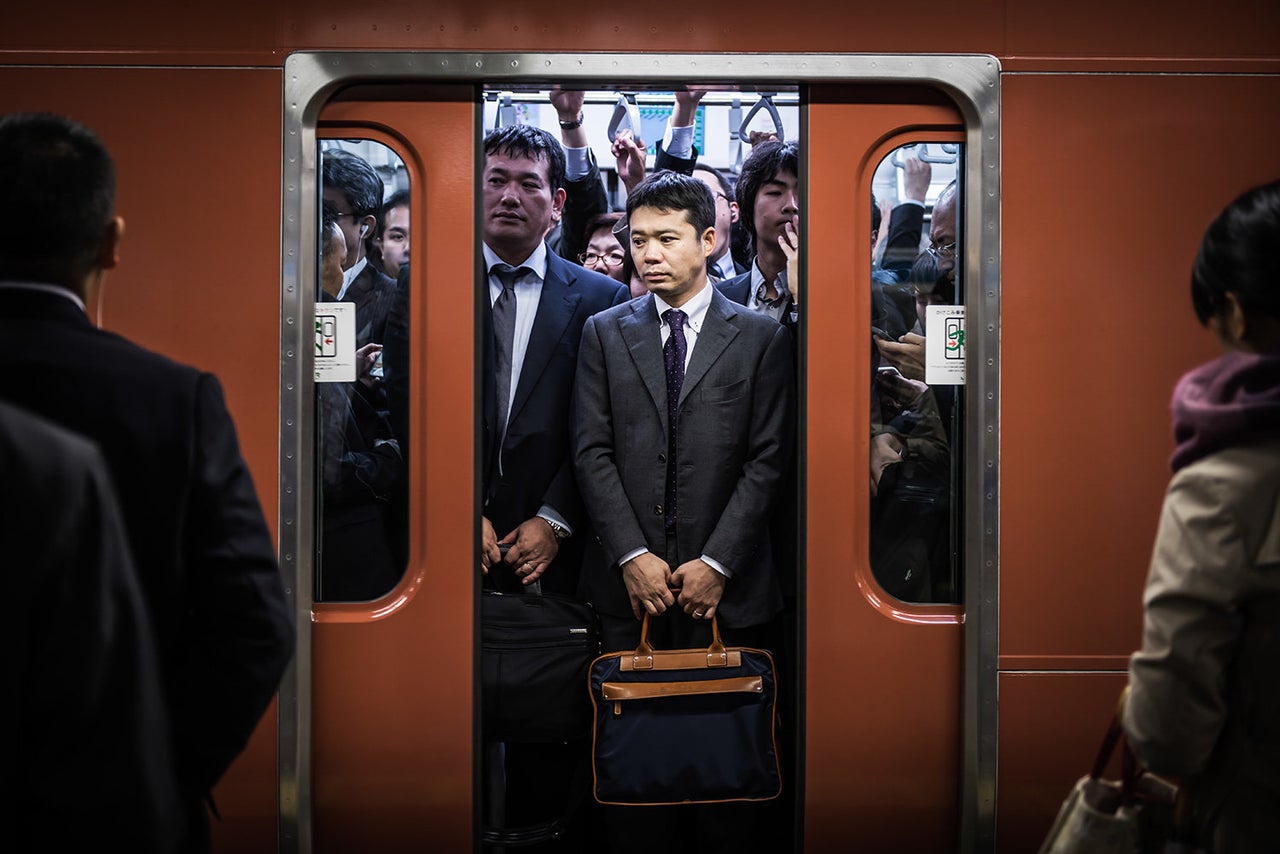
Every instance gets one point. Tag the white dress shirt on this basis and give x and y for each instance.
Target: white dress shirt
(528, 290)
(756, 300)
(696, 310)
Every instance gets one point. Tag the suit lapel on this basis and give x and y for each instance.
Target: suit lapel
(643, 338)
(717, 331)
(556, 307)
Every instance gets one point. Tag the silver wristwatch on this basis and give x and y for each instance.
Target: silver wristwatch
(561, 532)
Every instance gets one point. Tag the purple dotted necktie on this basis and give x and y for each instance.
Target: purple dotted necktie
(673, 354)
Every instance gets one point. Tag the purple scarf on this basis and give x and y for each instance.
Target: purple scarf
(1233, 400)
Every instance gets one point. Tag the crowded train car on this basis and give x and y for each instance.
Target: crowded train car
(982, 256)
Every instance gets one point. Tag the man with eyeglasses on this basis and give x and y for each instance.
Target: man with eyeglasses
(354, 191)
(907, 353)
(722, 266)
(535, 305)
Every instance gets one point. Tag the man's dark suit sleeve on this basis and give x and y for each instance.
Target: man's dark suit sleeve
(594, 454)
(240, 635)
(747, 512)
(584, 198)
(563, 494)
(902, 246)
(684, 165)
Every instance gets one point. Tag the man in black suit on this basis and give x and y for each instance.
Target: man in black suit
(354, 191)
(78, 656)
(531, 502)
(535, 304)
(682, 417)
(201, 545)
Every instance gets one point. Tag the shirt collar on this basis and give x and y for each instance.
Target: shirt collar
(537, 262)
(695, 308)
(349, 276)
(66, 293)
(724, 267)
(758, 286)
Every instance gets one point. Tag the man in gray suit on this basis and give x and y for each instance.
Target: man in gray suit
(682, 413)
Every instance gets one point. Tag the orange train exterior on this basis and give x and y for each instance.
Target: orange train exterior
(1121, 133)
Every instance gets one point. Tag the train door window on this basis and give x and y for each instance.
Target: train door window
(361, 346)
(917, 357)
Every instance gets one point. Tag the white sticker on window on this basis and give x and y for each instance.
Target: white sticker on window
(944, 345)
(335, 342)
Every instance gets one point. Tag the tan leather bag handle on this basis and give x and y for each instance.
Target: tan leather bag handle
(716, 650)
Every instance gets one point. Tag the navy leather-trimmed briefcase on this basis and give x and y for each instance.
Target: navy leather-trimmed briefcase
(684, 726)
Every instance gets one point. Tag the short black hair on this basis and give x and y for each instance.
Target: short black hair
(924, 278)
(531, 142)
(767, 159)
(399, 199)
(1240, 255)
(357, 180)
(56, 172)
(673, 191)
(726, 186)
(608, 220)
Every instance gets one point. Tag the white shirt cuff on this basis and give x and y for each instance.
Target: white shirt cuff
(717, 566)
(678, 142)
(632, 555)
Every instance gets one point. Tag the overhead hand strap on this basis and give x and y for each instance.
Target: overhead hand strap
(626, 116)
(950, 153)
(765, 103)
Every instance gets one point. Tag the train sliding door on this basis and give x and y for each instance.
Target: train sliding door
(376, 733)
(883, 560)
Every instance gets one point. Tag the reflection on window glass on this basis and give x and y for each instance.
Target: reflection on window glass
(915, 414)
(361, 419)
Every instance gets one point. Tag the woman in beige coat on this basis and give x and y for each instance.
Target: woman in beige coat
(1204, 700)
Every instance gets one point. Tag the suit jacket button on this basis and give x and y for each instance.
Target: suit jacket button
(662, 458)
(657, 509)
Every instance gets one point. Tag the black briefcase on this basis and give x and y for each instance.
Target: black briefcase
(535, 651)
(684, 726)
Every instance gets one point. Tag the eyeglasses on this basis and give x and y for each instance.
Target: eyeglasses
(947, 250)
(723, 196)
(613, 259)
(340, 214)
